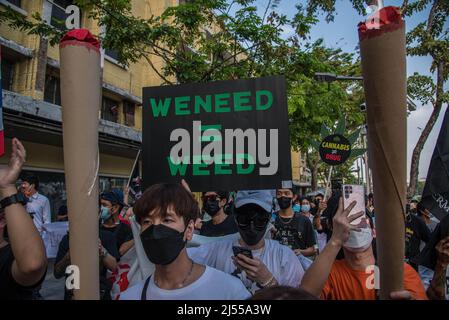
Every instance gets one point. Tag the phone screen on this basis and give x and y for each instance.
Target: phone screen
(244, 251)
(352, 192)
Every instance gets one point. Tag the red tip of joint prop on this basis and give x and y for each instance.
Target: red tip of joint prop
(80, 37)
(386, 19)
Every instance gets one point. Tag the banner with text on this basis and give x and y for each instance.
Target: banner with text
(224, 135)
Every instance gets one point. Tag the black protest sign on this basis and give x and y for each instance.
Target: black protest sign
(335, 149)
(224, 135)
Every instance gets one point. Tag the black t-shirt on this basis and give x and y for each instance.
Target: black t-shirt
(9, 288)
(295, 232)
(122, 233)
(108, 241)
(415, 231)
(429, 255)
(228, 226)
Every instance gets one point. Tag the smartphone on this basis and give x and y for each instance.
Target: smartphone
(246, 252)
(352, 192)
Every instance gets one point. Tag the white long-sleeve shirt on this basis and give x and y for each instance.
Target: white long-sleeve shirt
(39, 207)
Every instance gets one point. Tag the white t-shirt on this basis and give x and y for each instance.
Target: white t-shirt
(39, 207)
(212, 285)
(279, 260)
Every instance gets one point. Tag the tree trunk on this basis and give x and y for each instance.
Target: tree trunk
(414, 166)
(314, 182)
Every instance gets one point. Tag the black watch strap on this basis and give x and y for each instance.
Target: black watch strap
(15, 198)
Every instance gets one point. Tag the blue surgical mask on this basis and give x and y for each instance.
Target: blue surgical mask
(105, 213)
(296, 208)
(305, 208)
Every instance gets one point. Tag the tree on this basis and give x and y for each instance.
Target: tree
(428, 38)
(343, 170)
(241, 44)
(313, 103)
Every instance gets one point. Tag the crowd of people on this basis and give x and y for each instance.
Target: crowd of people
(270, 244)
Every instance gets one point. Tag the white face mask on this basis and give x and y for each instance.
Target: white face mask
(359, 241)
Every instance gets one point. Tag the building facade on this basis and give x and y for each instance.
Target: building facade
(32, 101)
(31, 98)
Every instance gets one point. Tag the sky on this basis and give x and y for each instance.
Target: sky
(342, 32)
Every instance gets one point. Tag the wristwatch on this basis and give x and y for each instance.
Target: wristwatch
(15, 198)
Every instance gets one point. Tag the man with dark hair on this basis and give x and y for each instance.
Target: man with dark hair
(111, 206)
(23, 260)
(166, 214)
(416, 235)
(293, 230)
(38, 205)
(221, 224)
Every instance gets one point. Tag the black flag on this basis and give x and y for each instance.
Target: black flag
(435, 196)
(135, 180)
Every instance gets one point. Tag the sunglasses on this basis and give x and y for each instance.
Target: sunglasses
(257, 219)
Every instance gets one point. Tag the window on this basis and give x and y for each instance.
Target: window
(7, 74)
(128, 111)
(109, 110)
(17, 3)
(52, 91)
(58, 15)
(111, 53)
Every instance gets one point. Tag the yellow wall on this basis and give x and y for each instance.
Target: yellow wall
(132, 78)
(296, 165)
(41, 156)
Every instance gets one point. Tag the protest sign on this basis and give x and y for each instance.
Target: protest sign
(224, 135)
(335, 149)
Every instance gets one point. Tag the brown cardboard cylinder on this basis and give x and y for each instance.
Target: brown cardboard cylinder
(383, 55)
(80, 97)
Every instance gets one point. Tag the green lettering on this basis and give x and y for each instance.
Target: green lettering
(240, 168)
(221, 166)
(206, 105)
(222, 103)
(182, 106)
(197, 169)
(160, 109)
(177, 168)
(259, 95)
(241, 98)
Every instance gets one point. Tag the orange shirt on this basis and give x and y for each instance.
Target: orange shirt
(345, 283)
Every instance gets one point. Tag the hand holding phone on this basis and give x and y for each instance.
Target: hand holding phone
(246, 252)
(356, 193)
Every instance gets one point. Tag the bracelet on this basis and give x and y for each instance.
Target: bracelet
(263, 285)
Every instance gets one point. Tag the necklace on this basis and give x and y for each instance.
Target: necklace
(185, 279)
(285, 221)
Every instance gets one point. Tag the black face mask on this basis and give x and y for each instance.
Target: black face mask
(284, 202)
(251, 235)
(251, 224)
(162, 244)
(212, 207)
